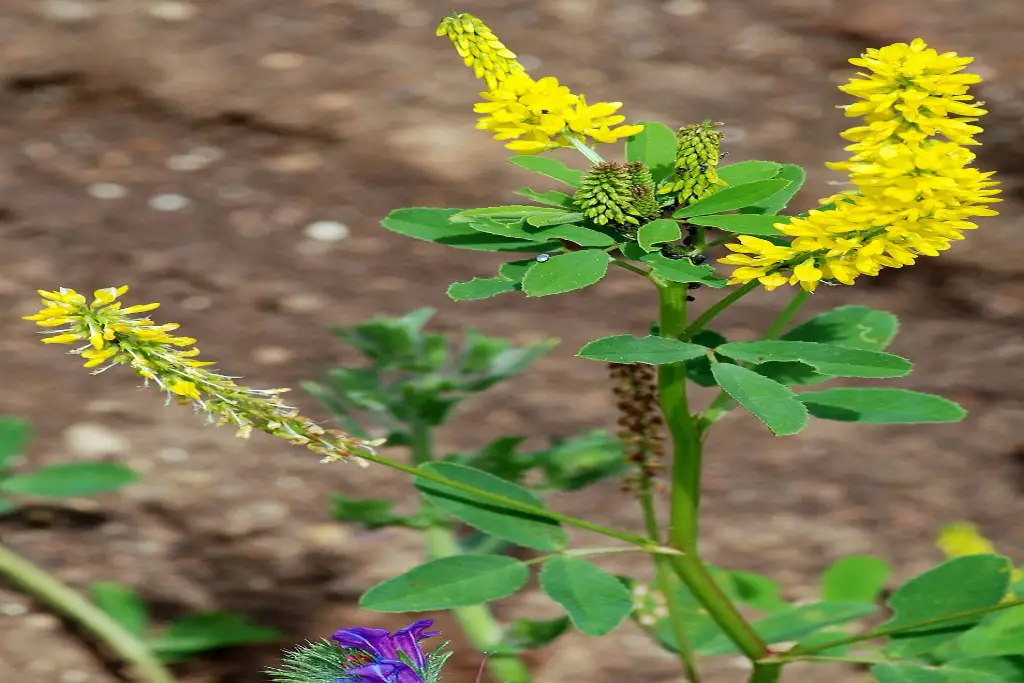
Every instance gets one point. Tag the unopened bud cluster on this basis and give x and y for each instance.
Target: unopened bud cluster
(698, 150)
(618, 195)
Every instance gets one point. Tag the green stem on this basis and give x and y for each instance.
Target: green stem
(799, 652)
(719, 306)
(765, 672)
(604, 550)
(591, 155)
(628, 537)
(71, 604)
(686, 471)
(477, 622)
(786, 316)
(686, 455)
(663, 580)
(630, 267)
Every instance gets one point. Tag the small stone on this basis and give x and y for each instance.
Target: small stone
(684, 8)
(172, 11)
(303, 303)
(196, 303)
(107, 191)
(327, 231)
(93, 440)
(282, 61)
(271, 355)
(169, 202)
(186, 162)
(171, 454)
(13, 609)
(334, 101)
(300, 162)
(328, 535)
(68, 11)
(41, 622)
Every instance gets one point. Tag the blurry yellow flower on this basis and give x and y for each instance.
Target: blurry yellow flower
(534, 115)
(107, 336)
(960, 539)
(914, 193)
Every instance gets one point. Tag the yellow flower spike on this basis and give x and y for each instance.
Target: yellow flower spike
(914, 192)
(108, 336)
(534, 115)
(957, 540)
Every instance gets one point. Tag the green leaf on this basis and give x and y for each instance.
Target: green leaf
(881, 406)
(856, 327)
(503, 228)
(795, 624)
(1003, 668)
(549, 167)
(527, 634)
(566, 272)
(480, 288)
(732, 198)
(742, 223)
(652, 350)
(121, 604)
(759, 592)
(373, 513)
(900, 672)
(777, 202)
(577, 234)
(828, 359)
(508, 212)
(682, 270)
(596, 601)
(513, 525)
(767, 400)
(658, 232)
(570, 464)
(564, 218)
(855, 578)
(70, 480)
(458, 581)
(7, 506)
(516, 270)
(655, 146)
(549, 197)
(432, 225)
(957, 585)
(1001, 633)
(14, 436)
(743, 172)
(208, 631)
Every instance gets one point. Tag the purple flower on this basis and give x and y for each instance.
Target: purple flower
(381, 657)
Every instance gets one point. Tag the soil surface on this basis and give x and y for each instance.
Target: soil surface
(186, 149)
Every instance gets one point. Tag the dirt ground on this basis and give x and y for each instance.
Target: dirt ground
(184, 149)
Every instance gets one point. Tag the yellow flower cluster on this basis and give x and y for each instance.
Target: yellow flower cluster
(962, 538)
(914, 192)
(107, 335)
(535, 115)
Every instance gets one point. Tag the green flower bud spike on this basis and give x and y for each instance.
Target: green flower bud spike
(645, 204)
(606, 197)
(697, 153)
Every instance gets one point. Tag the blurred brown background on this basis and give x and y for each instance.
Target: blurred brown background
(186, 149)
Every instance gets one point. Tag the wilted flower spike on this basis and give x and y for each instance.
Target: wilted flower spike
(914, 191)
(108, 336)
